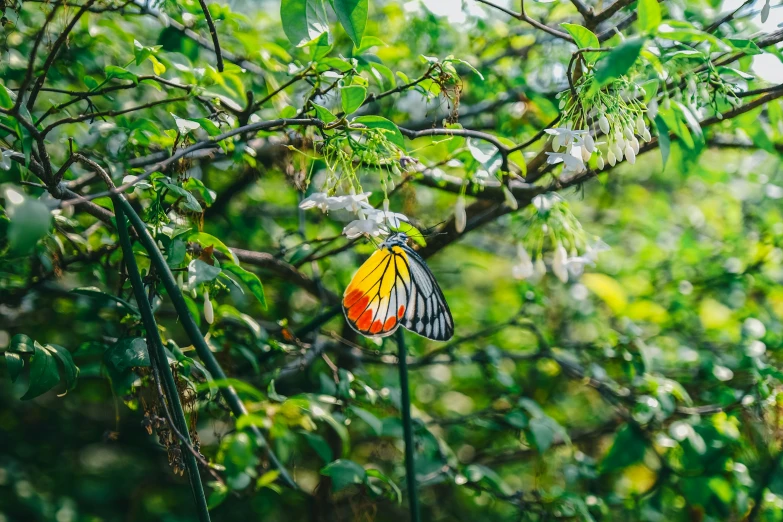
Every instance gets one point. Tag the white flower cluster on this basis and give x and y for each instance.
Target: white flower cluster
(622, 143)
(551, 222)
(371, 221)
(563, 265)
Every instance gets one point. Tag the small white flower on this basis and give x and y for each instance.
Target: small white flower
(611, 158)
(209, 313)
(392, 218)
(544, 202)
(646, 135)
(559, 263)
(352, 202)
(603, 122)
(599, 162)
(370, 227)
(460, 216)
(5, 159)
(524, 269)
(765, 12)
(315, 200)
(572, 164)
(185, 126)
(628, 132)
(563, 136)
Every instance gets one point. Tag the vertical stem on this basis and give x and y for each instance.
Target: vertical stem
(158, 359)
(194, 334)
(407, 429)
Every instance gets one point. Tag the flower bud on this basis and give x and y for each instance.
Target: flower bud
(180, 280)
(646, 135)
(640, 125)
(586, 154)
(209, 313)
(603, 123)
(765, 12)
(589, 143)
(630, 155)
(600, 162)
(559, 263)
(635, 145)
(460, 216)
(628, 132)
(386, 204)
(610, 157)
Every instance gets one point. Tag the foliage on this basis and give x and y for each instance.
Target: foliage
(595, 187)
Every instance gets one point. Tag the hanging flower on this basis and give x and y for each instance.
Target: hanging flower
(368, 226)
(524, 269)
(5, 159)
(572, 164)
(351, 202)
(460, 216)
(209, 313)
(559, 263)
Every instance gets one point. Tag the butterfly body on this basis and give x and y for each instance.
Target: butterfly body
(395, 287)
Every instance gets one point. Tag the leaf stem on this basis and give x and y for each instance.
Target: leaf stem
(407, 428)
(158, 359)
(193, 332)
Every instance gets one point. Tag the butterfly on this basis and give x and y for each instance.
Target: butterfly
(395, 287)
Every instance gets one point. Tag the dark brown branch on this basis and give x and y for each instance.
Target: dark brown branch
(213, 33)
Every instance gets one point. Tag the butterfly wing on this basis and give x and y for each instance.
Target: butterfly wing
(428, 313)
(376, 299)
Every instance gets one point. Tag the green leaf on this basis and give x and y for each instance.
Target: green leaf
(412, 232)
(352, 98)
(367, 43)
(323, 114)
(379, 122)
(583, 38)
(628, 448)
(352, 15)
(320, 47)
(649, 16)
(383, 478)
(30, 220)
(319, 445)
(20, 343)
(95, 292)
(43, 373)
(369, 418)
(15, 364)
(542, 433)
(748, 47)
(343, 473)
(207, 240)
(127, 353)
(250, 280)
(303, 20)
(619, 61)
(112, 71)
(69, 370)
(200, 272)
(189, 201)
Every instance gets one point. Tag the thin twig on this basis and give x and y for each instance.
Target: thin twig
(213, 33)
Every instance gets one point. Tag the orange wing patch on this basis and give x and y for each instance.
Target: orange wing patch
(375, 300)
